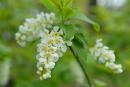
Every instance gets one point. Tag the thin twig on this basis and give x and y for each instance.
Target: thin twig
(82, 67)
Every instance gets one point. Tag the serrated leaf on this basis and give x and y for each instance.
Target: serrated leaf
(69, 31)
(79, 15)
(50, 5)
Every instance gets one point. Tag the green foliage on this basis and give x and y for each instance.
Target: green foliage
(60, 7)
(5, 51)
(81, 16)
(64, 3)
(66, 11)
(50, 5)
(69, 31)
(99, 83)
(79, 47)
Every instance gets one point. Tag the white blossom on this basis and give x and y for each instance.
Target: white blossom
(69, 42)
(116, 68)
(33, 26)
(105, 56)
(102, 53)
(52, 47)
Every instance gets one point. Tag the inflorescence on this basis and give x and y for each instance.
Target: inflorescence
(51, 46)
(105, 56)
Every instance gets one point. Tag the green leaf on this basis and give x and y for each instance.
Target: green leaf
(64, 3)
(5, 51)
(99, 83)
(67, 12)
(65, 8)
(80, 47)
(68, 2)
(79, 38)
(57, 3)
(79, 15)
(69, 31)
(50, 5)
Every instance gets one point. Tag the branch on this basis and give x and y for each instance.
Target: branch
(82, 67)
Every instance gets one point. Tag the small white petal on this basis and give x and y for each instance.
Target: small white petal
(69, 43)
(56, 28)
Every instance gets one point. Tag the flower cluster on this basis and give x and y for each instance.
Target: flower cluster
(105, 56)
(33, 26)
(51, 46)
(49, 50)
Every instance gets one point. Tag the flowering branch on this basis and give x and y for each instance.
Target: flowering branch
(82, 66)
(55, 33)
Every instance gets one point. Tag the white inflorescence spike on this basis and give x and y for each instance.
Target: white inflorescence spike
(105, 56)
(51, 46)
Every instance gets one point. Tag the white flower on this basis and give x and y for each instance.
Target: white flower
(102, 53)
(32, 27)
(69, 43)
(52, 47)
(105, 56)
(99, 43)
(116, 68)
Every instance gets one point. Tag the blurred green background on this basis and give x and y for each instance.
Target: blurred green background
(18, 65)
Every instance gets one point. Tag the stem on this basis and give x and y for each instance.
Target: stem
(82, 67)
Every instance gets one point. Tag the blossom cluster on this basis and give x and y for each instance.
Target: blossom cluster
(33, 26)
(51, 46)
(49, 50)
(105, 56)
